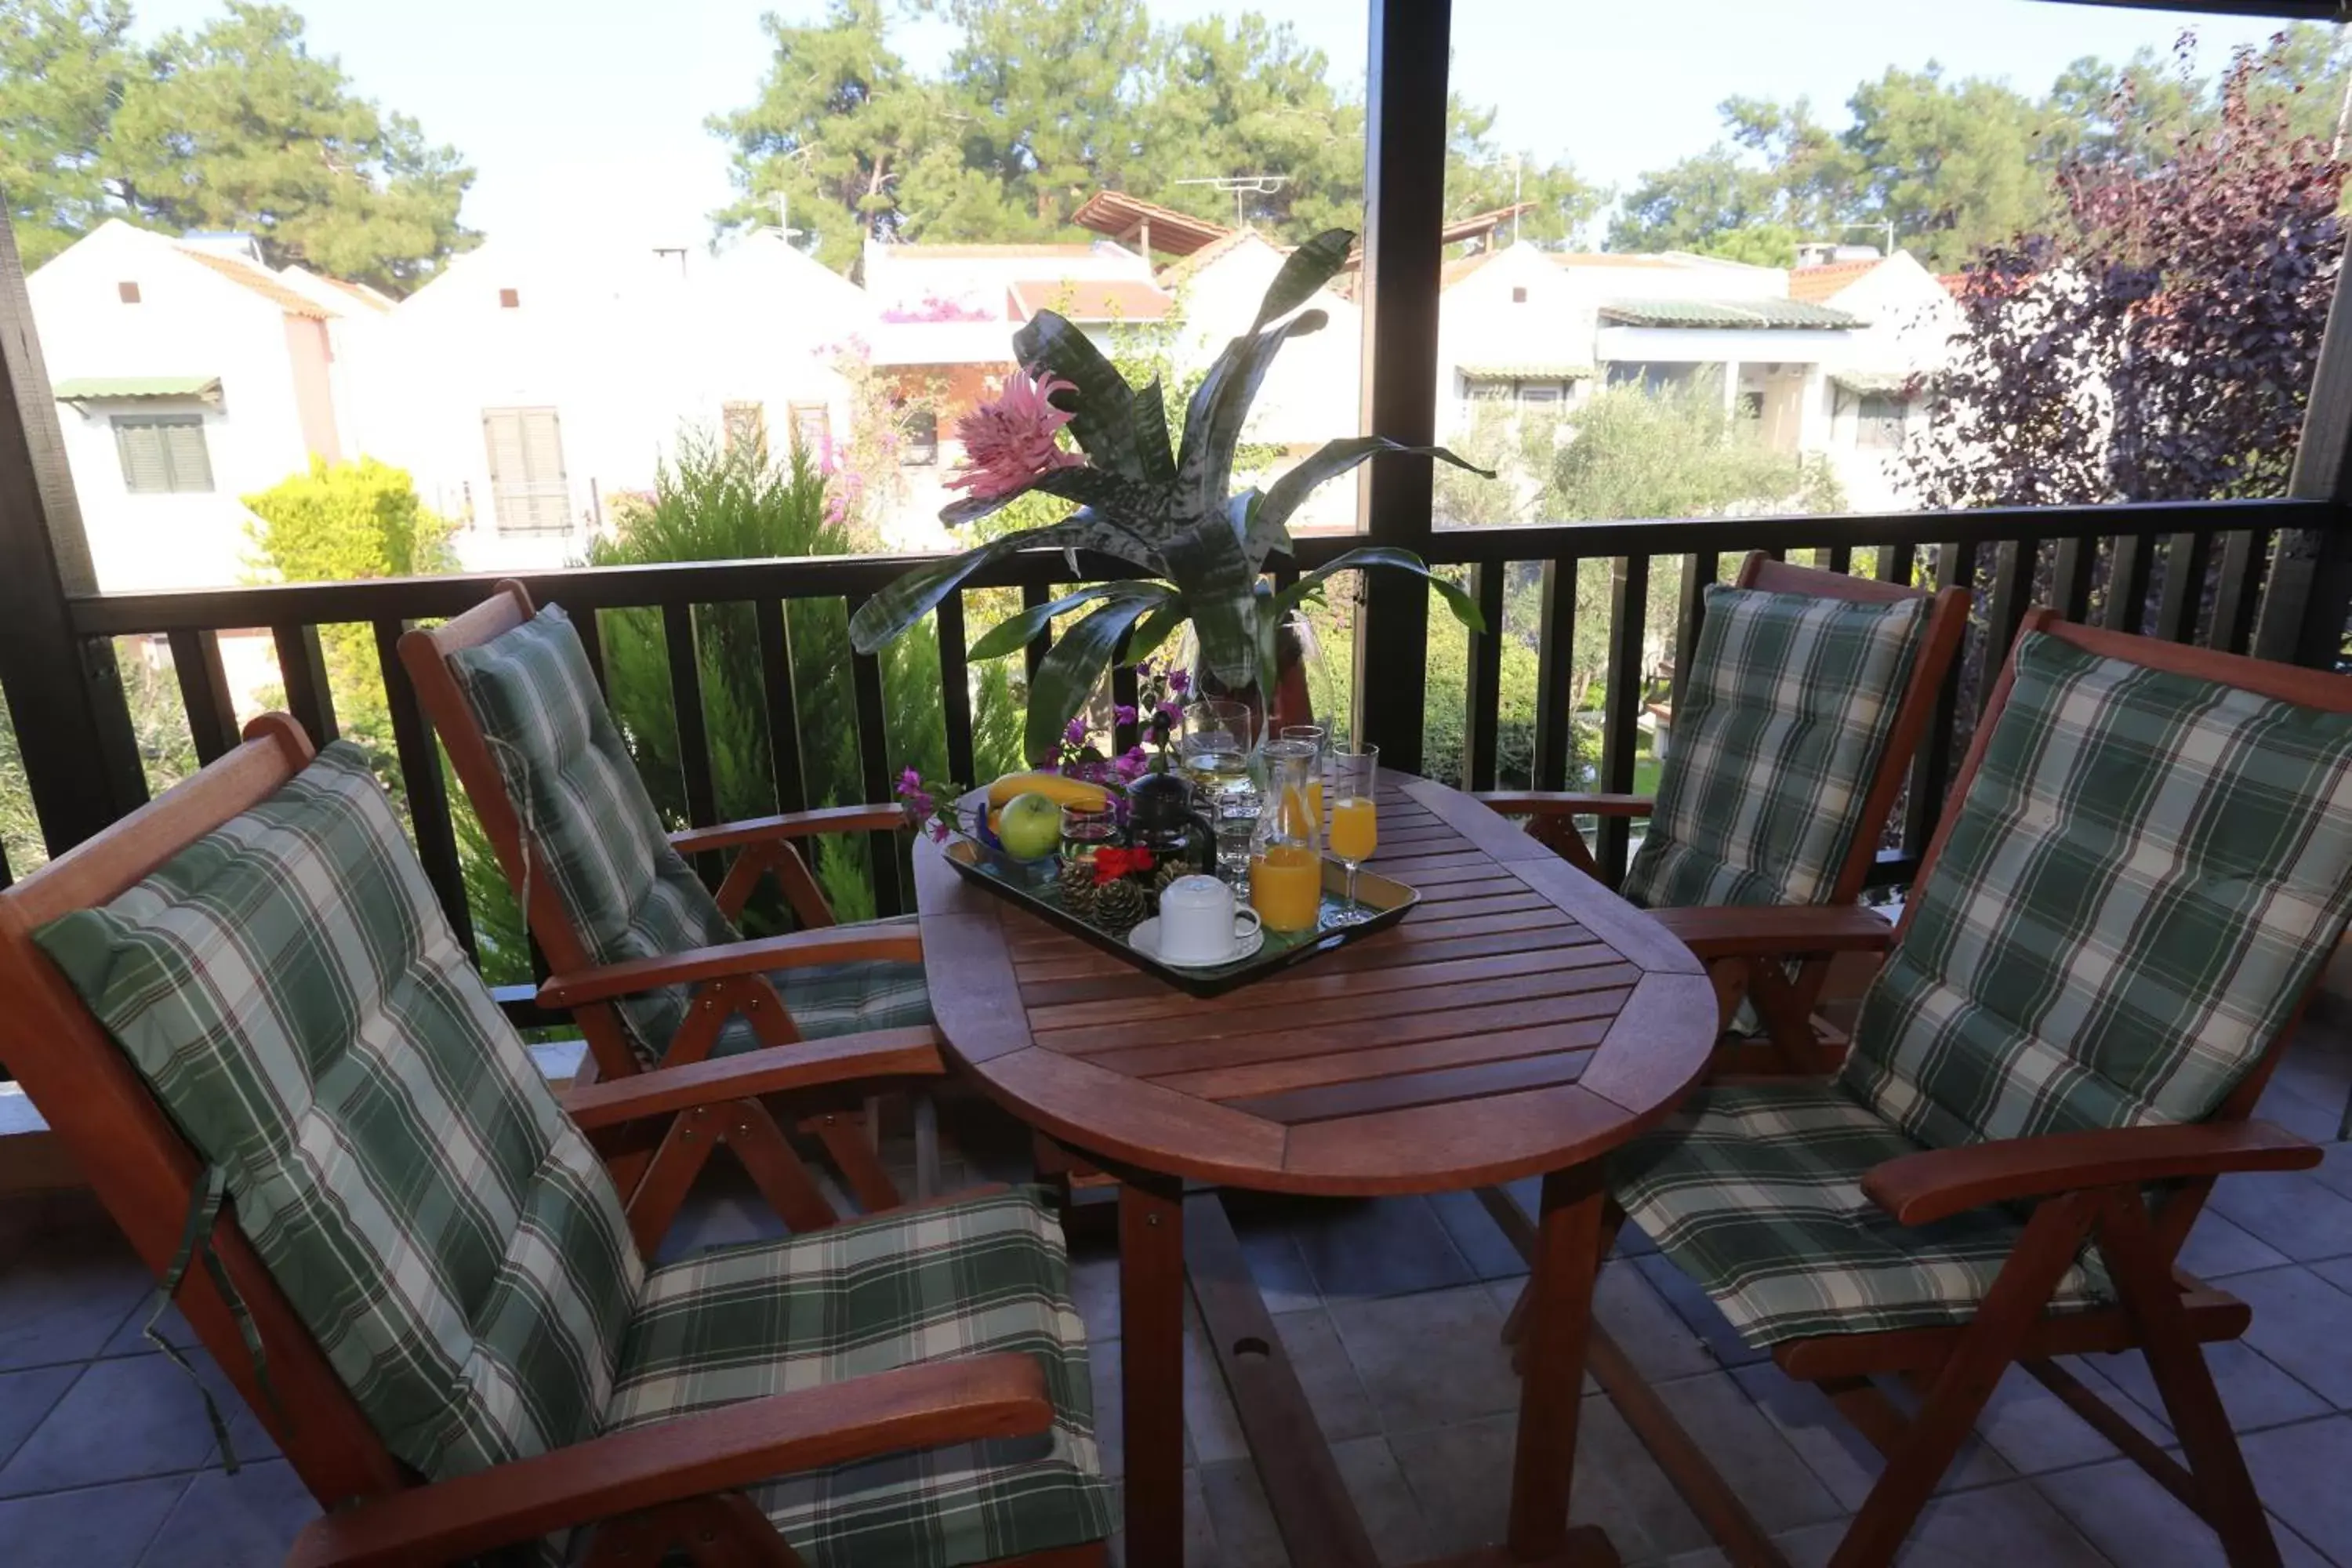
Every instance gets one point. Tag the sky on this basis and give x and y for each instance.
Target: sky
(591, 111)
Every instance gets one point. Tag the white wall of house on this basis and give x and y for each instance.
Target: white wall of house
(1516, 308)
(189, 321)
(628, 347)
(1911, 318)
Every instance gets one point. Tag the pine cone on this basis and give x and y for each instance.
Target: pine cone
(1170, 870)
(1121, 906)
(1076, 883)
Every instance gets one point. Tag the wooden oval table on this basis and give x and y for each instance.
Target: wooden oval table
(1522, 1020)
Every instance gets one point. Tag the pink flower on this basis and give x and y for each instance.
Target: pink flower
(909, 783)
(1130, 764)
(1075, 732)
(1179, 681)
(1010, 442)
(1124, 713)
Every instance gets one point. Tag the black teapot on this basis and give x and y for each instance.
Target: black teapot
(1161, 818)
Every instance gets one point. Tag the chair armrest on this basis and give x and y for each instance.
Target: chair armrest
(1919, 1189)
(798, 950)
(772, 1069)
(1554, 803)
(1776, 930)
(720, 1450)
(790, 825)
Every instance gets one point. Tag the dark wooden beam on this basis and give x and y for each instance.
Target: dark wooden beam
(1404, 176)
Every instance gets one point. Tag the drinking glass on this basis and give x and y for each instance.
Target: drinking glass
(1317, 736)
(1216, 753)
(1353, 778)
(1287, 855)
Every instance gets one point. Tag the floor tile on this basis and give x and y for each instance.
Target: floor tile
(2335, 1170)
(2217, 1246)
(1700, 1313)
(1476, 1235)
(2302, 1324)
(2135, 1522)
(1834, 1450)
(27, 1397)
(2005, 1524)
(1429, 1359)
(1761, 1465)
(2290, 1211)
(1361, 1250)
(242, 1521)
(2300, 1472)
(1653, 1335)
(1210, 1425)
(1460, 1478)
(1110, 1404)
(2336, 1272)
(95, 1527)
(1244, 1524)
(1094, 1289)
(1276, 1264)
(1342, 1409)
(135, 1416)
(64, 1297)
(2255, 1393)
(1383, 1501)
(2035, 1431)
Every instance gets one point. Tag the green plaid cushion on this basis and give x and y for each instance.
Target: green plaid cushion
(985, 1275)
(1782, 721)
(1755, 1191)
(2144, 878)
(289, 988)
(628, 894)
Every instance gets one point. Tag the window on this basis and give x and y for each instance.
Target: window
(1481, 390)
(1544, 392)
(127, 291)
(163, 454)
(743, 424)
(1520, 296)
(509, 298)
(527, 492)
(1882, 420)
(1657, 379)
(1751, 405)
(812, 431)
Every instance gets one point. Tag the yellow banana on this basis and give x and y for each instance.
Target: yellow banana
(1052, 787)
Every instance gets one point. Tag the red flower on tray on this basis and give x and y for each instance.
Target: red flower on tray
(1112, 863)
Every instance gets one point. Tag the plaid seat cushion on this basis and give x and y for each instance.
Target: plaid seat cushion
(586, 812)
(2145, 876)
(989, 1274)
(1783, 718)
(289, 988)
(1755, 1191)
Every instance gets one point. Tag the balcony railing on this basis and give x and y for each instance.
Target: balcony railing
(2203, 572)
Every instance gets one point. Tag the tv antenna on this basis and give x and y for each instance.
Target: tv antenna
(1241, 185)
(785, 218)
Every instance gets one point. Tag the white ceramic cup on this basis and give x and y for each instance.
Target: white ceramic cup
(1199, 924)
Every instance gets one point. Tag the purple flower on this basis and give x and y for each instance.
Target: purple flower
(1169, 712)
(1179, 682)
(1076, 732)
(937, 830)
(910, 785)
(1124, 713)
(1130, 764)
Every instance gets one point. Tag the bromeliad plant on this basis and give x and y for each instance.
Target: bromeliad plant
(1202, 552)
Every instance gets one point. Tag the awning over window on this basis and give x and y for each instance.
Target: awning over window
(1868, 383)
(105, 388)
(1526, 371)
(1771, 315)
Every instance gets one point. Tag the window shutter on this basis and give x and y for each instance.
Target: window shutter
(528, 489)
(183, 447)
(145, 471)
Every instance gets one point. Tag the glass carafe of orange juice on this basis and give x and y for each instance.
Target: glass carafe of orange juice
(1287, 853)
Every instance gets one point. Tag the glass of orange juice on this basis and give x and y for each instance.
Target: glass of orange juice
(1319, 737)
(1352, 780)
(1286, 858)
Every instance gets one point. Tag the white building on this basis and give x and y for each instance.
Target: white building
(190, 374)
(534, 380)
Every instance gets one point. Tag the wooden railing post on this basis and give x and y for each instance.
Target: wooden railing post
(1404, 181)
(65, 694)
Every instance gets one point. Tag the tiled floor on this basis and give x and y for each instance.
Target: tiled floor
(1390, 1311)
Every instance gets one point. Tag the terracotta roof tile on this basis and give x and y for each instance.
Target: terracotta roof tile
(261, 283)
(1090, 299)
(1815, 284)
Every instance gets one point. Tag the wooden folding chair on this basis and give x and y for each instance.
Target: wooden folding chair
(415, 1273)
(1756, 810)
(624, 975)
(2116, 926)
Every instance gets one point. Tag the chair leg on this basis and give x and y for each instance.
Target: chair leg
(685, 1149)
(844, 1134)
(724, 1530)
(2228, 1504)
(927, 1147)
(779, 1174)
(1966, 1381)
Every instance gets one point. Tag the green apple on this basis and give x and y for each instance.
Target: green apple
(1032, 827)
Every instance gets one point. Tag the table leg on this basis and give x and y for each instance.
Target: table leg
(1151, 1369)
(1551, 1359)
